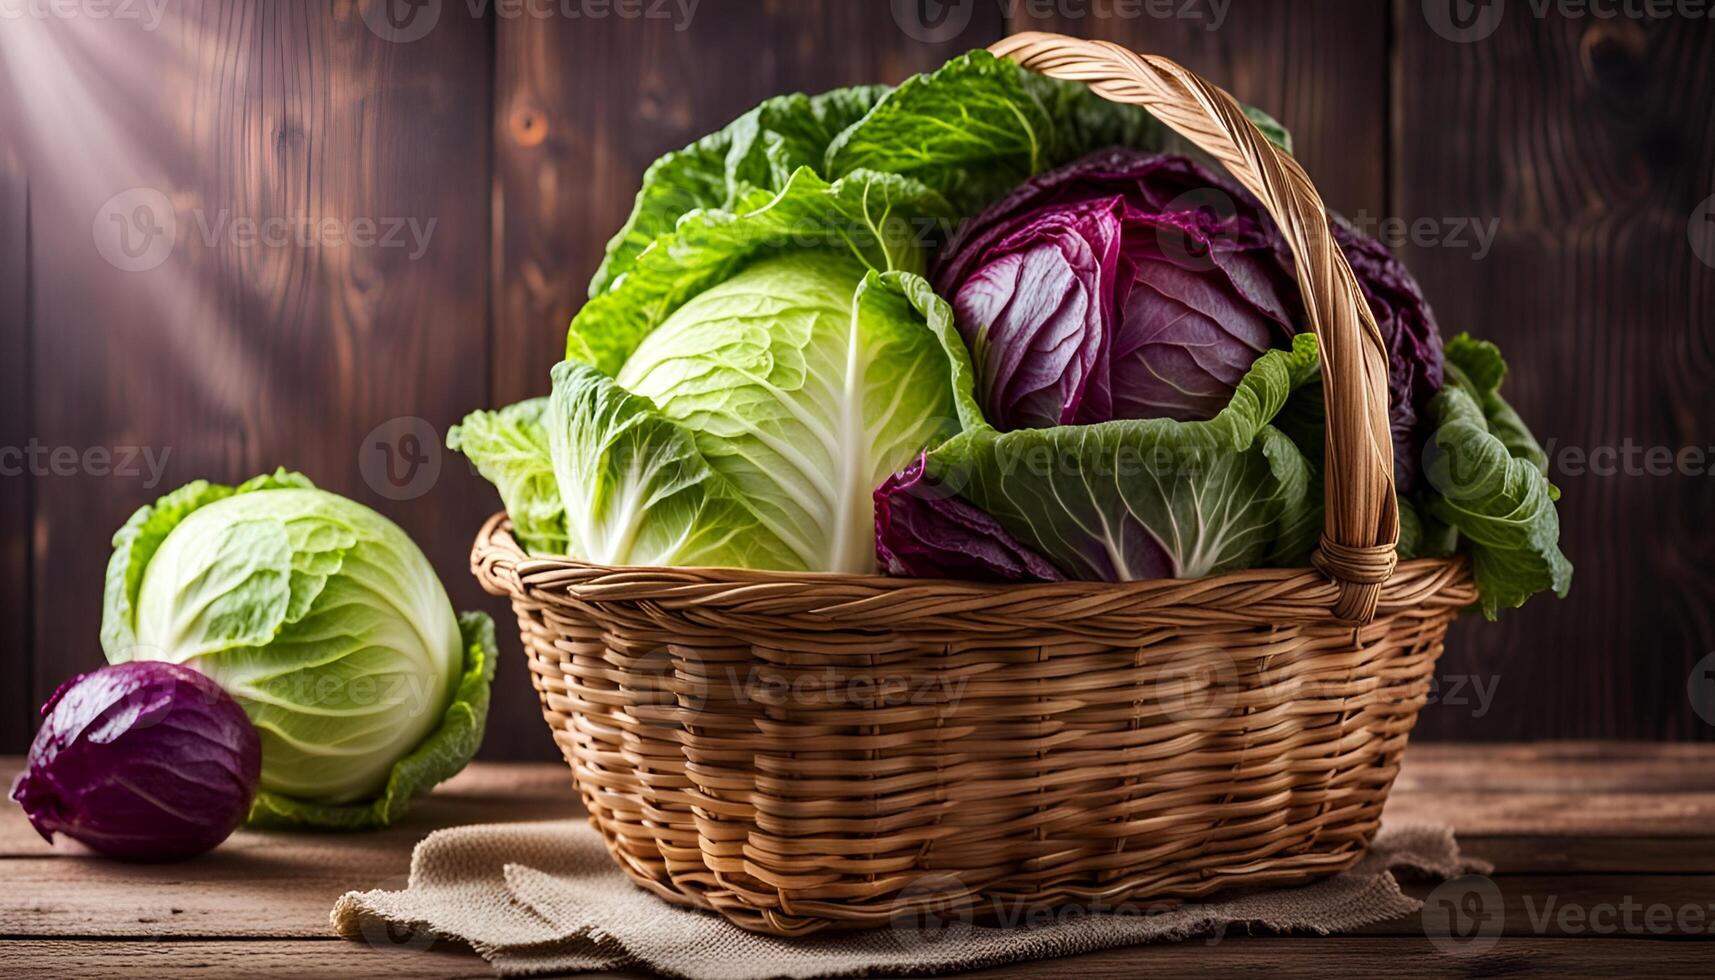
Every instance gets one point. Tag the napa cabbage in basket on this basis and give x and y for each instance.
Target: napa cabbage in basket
(665, 465)
(326, 624)
(969, 131)
(737, 397)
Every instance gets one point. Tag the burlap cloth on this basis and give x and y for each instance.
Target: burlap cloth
(537, 898)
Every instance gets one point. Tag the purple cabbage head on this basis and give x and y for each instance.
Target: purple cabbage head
(147, 761)
(923, 530)
(1415, 363)
(1162, 183)
(1122, 286)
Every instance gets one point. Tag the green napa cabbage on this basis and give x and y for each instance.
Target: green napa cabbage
(737, 397)
(325, 622)
(970, 131)
(803, 385)
(510, 449)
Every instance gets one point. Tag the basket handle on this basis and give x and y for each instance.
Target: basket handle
(1361, 522)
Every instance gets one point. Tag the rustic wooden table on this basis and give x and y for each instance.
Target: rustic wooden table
(1604, 859)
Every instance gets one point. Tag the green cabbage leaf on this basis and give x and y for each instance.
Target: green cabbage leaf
(736, 398)
(1488, 481)
(1154, 498)
(969, 131)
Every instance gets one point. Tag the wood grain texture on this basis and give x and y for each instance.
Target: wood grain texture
(524, 139)
(584, 107)
(1587, 139)
(325, 273)
(268, 884)
(258, 884)
(1320, 68)
(259, 903)
(1293, 957)
(17, 705)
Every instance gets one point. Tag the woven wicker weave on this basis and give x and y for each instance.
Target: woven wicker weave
(799, 751)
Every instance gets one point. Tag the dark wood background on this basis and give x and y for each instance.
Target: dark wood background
(524, 137)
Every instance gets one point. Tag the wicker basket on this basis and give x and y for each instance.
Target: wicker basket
(798, 751)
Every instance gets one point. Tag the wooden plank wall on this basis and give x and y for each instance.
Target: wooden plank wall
(523, 137)
(17, 694)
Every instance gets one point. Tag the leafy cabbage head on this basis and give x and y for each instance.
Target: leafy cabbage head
(736, 398)
(803, 388)
(319, 616)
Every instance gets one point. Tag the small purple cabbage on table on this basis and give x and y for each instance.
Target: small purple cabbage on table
(146, 761)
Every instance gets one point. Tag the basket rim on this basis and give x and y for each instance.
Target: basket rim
(503, 567)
